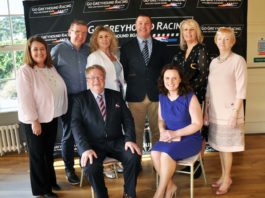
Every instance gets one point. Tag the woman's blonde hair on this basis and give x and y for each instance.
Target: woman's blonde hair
(93, 44)
(28, 60)
(226, 30)
(196, 26)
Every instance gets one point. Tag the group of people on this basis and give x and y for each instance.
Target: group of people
(103, 101)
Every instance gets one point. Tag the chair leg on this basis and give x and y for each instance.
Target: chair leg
(203, 170)
(92, 192)
(191, 180)
(82, 177)
(115, 170)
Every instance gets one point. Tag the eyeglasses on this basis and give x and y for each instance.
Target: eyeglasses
(78, 33)
(95, 78)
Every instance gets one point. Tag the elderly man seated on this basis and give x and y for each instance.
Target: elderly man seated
(102, 125)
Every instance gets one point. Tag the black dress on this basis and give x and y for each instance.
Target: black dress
(195, 69)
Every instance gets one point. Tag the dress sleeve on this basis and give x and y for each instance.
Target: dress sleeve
(200, 83)
(26, 104)
(189, 96)
(92, 59)
(241, 78)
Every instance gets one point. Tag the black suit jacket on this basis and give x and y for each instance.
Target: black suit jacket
(88, 127)
(142, 79)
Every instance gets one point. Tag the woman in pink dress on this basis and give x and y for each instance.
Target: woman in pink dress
(226, 90)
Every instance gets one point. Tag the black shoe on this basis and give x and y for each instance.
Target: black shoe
(56, 187)
(198, 173)
(72, 178)
(126, 196)
(50, 195)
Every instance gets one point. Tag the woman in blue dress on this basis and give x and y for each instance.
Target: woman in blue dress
(179, 121)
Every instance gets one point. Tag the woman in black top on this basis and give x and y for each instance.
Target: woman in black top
(193, 57)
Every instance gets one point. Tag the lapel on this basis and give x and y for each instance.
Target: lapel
(137, 50)
(153, 50)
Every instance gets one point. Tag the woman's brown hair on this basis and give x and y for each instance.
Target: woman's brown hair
(184, 87)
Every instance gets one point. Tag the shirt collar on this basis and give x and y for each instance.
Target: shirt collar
(96, 94)
(68, 42)
(140, 40)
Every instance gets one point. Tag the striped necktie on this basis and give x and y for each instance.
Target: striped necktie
(102, 106)
(145, 52)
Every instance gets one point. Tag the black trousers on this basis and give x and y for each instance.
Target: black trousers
(40, 150)
(130, 162)
(67, 138)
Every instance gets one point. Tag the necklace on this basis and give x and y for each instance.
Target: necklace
(221, 60)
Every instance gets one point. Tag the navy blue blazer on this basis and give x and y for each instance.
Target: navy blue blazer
(141, 79)
(88, 127)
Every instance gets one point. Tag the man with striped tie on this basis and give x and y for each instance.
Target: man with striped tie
(103, 126)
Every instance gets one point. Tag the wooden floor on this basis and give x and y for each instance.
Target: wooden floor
(248, 176)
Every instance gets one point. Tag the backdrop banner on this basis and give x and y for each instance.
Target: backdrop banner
(51, 20)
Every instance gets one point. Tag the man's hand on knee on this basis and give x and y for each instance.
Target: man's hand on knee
(133, 147)
(88, 155)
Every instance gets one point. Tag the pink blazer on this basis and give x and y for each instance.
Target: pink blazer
(35, 98)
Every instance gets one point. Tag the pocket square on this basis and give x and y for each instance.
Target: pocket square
(117, 106)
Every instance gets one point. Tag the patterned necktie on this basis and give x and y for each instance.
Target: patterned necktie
(145, 52)
(102, 106)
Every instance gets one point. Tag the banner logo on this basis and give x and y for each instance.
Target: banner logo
(51, 10)
(54, 38)
(219, 3)
(104, 5)
(158, 4)
(209, 30)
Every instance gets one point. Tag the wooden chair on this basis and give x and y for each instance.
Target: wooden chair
(107, 161)
(190, 162)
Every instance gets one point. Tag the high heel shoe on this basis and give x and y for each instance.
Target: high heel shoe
(224, 191)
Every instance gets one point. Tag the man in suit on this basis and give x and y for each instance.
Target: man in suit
(143, 58)
(103, 126)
